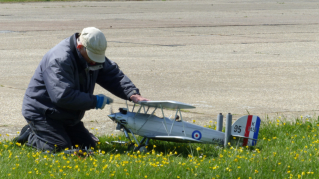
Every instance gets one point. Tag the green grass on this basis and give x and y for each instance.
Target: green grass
(285, 150)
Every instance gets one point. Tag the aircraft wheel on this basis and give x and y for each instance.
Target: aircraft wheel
(143, 149)
(131, 146)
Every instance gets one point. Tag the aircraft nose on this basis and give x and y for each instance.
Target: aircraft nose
(112, 116)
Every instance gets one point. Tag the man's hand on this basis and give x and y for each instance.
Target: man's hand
(102, 100)
(136, 98)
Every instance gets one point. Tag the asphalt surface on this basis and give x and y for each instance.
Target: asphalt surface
(239, 57)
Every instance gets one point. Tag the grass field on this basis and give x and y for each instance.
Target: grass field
(285, 150)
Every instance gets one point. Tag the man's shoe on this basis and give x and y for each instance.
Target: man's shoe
(94, 138)
(24, 135)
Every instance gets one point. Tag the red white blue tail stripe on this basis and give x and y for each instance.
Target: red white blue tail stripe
(251, 130)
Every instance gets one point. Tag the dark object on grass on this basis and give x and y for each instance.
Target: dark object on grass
(24, 135)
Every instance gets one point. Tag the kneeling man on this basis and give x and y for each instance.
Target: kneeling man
(61, 90)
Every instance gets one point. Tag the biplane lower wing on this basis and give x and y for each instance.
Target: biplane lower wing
(180, 139)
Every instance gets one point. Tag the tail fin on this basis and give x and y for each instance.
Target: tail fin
(246, 127)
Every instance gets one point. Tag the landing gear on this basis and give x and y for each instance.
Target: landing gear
(131, 146)
(143, 149)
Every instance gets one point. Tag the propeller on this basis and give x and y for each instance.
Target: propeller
(111, 109)
(111, 115)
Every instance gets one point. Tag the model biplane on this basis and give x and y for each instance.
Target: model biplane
(145, 123)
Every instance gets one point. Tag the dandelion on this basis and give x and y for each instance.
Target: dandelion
(256, 171)
(145, 176)
(194, 121)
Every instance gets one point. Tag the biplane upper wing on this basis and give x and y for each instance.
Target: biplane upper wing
(181, 139)
(167, 104)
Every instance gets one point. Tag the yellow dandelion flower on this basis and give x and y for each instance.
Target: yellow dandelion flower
(145, 176)
(256, 171)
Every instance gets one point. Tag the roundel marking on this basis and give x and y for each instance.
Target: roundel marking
(196, 135)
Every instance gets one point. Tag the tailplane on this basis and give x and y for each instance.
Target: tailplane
(247, 128)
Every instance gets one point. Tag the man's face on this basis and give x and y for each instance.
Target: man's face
(85, 55)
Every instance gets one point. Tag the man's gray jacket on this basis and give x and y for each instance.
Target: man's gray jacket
(62, 85)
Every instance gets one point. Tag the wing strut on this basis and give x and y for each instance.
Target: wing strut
(165, 126)
(180, 113)
(170, 132)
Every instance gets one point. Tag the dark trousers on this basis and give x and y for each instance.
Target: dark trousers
(54, 135)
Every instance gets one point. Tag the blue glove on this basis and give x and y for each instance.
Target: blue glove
(102, 100)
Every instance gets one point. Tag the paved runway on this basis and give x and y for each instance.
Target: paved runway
(221, 56)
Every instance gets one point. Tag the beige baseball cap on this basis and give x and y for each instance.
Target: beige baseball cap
(95, 43)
